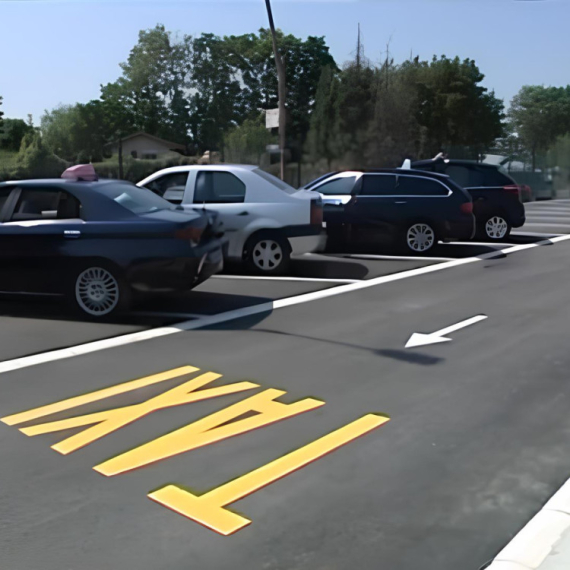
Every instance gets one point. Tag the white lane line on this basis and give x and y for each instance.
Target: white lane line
(285, 278)
(535, 234)
(395, 257)
(538, 539)
(168, 314)
(25, 361)
(487, 243)
(546, 225)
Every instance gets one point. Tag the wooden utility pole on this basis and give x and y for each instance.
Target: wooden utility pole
(281, 90)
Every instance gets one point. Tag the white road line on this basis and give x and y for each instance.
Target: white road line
(537, 540)
(285, 278)
(487, 243)
(546, 225)
(395, 257)
(25, 361)
(535, 234)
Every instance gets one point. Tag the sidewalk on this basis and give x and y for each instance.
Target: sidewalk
(544, 543)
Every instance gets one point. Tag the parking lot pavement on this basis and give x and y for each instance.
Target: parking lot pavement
(475, 444)
(33, 326)
(547, 216)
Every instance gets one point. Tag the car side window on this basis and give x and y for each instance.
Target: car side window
(337, 187)
(52, 204)
(459, 174)
(417, 186)
(170, 186)
(218, 188)
(378, 185)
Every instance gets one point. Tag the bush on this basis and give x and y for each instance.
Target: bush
(83, 157)
(36, 161)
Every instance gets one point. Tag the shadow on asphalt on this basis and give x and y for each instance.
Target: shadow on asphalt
(317, 267)
(192, 302)
(403, 355)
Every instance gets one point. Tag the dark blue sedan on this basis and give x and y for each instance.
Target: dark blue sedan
(98, 241)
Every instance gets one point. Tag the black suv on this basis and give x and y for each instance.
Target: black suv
(414, 209)
(497, 198)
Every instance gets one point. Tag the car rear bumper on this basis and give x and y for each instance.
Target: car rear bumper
(175, 275)
(517, 218)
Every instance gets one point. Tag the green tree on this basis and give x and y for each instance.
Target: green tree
(394, 133)
(454, 109)
(252, 56)
(1, 119)
(540, 115)
(151, 91)
(216, 103)
(323, 135)
(59, 129)
(14, 131)
(246, 143)
(356, 104)
(36, 160)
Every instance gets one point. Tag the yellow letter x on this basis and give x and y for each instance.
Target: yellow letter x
(111, 420)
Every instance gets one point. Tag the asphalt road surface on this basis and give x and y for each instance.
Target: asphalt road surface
(478, 436)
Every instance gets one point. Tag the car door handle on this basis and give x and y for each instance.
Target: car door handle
(71, 234)
(401, 202)
(245, 213)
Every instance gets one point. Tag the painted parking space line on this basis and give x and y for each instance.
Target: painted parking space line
(535, 234)
(268, 307)
(284, 278)
(394, 257)
(486, 243)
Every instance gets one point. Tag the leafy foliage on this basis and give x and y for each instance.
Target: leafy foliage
(540, 115)
(13, 133)
(247, 142)
(36, 160)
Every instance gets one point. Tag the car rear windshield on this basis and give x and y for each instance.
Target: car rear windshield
(275, 181)
(136, 200)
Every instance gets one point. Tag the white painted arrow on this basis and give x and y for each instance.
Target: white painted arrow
(419, 339)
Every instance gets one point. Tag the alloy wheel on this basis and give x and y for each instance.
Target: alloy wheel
(97, 291)
(496, 227)
(420, 237)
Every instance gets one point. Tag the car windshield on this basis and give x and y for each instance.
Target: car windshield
(275, 181)
(136, 200)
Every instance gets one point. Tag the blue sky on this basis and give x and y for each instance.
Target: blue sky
(54, 52)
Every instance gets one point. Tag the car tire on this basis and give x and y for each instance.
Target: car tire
(417, 238)
(495, 227)
(98, 291)
(267, 253)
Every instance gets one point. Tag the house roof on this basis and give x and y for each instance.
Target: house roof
(169, 144)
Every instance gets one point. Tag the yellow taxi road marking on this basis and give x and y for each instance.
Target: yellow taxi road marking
(90, 347)
(77, 401)
(210, 510)
(109, 421)
(209, 430)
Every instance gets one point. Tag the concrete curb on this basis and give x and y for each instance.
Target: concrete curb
(538, 539)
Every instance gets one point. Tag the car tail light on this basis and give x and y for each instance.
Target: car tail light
(513, 189)
(190, 233)
(317, 212)
(466, 207)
